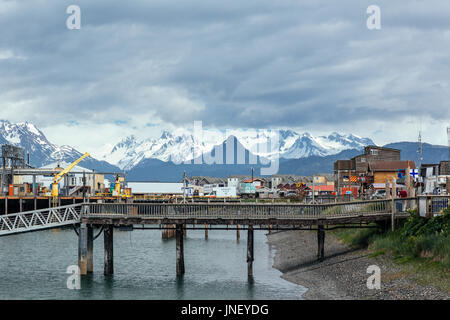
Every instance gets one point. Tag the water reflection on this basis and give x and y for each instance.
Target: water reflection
(144, 266)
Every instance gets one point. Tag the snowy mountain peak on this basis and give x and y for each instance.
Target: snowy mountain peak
(126, 142)
(166, 135)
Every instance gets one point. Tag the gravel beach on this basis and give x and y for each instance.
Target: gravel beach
(343, 273)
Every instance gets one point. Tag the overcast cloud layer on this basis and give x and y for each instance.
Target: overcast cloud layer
(138, 66)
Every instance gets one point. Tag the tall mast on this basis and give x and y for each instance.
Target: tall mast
(419, 149)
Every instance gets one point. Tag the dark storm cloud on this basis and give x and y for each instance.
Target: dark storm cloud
(228, 63)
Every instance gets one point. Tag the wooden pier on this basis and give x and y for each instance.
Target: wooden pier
(176, 219)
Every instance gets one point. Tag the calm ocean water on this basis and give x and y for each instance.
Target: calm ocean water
(33, 266)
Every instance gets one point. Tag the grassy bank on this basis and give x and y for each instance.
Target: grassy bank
(421, 247)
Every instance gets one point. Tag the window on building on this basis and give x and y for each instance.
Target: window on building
(363, 159)
(374, 152)
(423, 172)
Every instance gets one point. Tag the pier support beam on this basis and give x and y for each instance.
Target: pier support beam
(238, 233)
(82, 249)
(320, 243)
(250, 247)
(180, 249)
(109, 250)
(206, 231)
(90, 248)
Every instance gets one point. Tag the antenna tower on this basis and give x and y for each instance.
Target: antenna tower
(419, 149)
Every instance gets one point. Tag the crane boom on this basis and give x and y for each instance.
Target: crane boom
(60, 175)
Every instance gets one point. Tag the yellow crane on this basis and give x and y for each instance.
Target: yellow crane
(59, 176)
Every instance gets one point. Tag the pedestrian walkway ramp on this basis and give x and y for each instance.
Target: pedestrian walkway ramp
(40, 219)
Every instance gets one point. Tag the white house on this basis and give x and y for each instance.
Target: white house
(435, 177)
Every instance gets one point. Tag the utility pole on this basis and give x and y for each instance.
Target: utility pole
(184, 186)
(84, 186)
(253, 184)
(313, 191)
(338, 177)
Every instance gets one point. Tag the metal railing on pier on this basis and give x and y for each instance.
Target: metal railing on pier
(251, 210)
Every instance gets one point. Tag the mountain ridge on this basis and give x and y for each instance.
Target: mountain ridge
(183, 146)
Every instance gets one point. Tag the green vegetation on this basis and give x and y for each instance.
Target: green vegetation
(421, 246)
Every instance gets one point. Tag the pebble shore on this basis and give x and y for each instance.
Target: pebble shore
(343, 274)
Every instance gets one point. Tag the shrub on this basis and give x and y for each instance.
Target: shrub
(417, 237)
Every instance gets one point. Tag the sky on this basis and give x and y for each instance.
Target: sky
(141, 66)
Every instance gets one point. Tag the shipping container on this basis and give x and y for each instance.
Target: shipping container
(147, 188)
(224, 192)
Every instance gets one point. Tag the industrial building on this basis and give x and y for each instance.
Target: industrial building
(364, 173)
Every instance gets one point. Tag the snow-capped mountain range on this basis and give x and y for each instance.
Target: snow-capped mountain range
(176, 146)
(42, 151)
(183, 146)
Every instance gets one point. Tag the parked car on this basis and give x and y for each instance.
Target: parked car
(291, 194)
(378, 194)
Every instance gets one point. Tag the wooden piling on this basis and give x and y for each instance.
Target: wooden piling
(90, 248)
(109, 249)
(250, 251)
(82, 249)
(179, 249)
(238, 233)
(168, 231)
(206, 231)
(164, 232)
(388, 189)
(320, 243)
